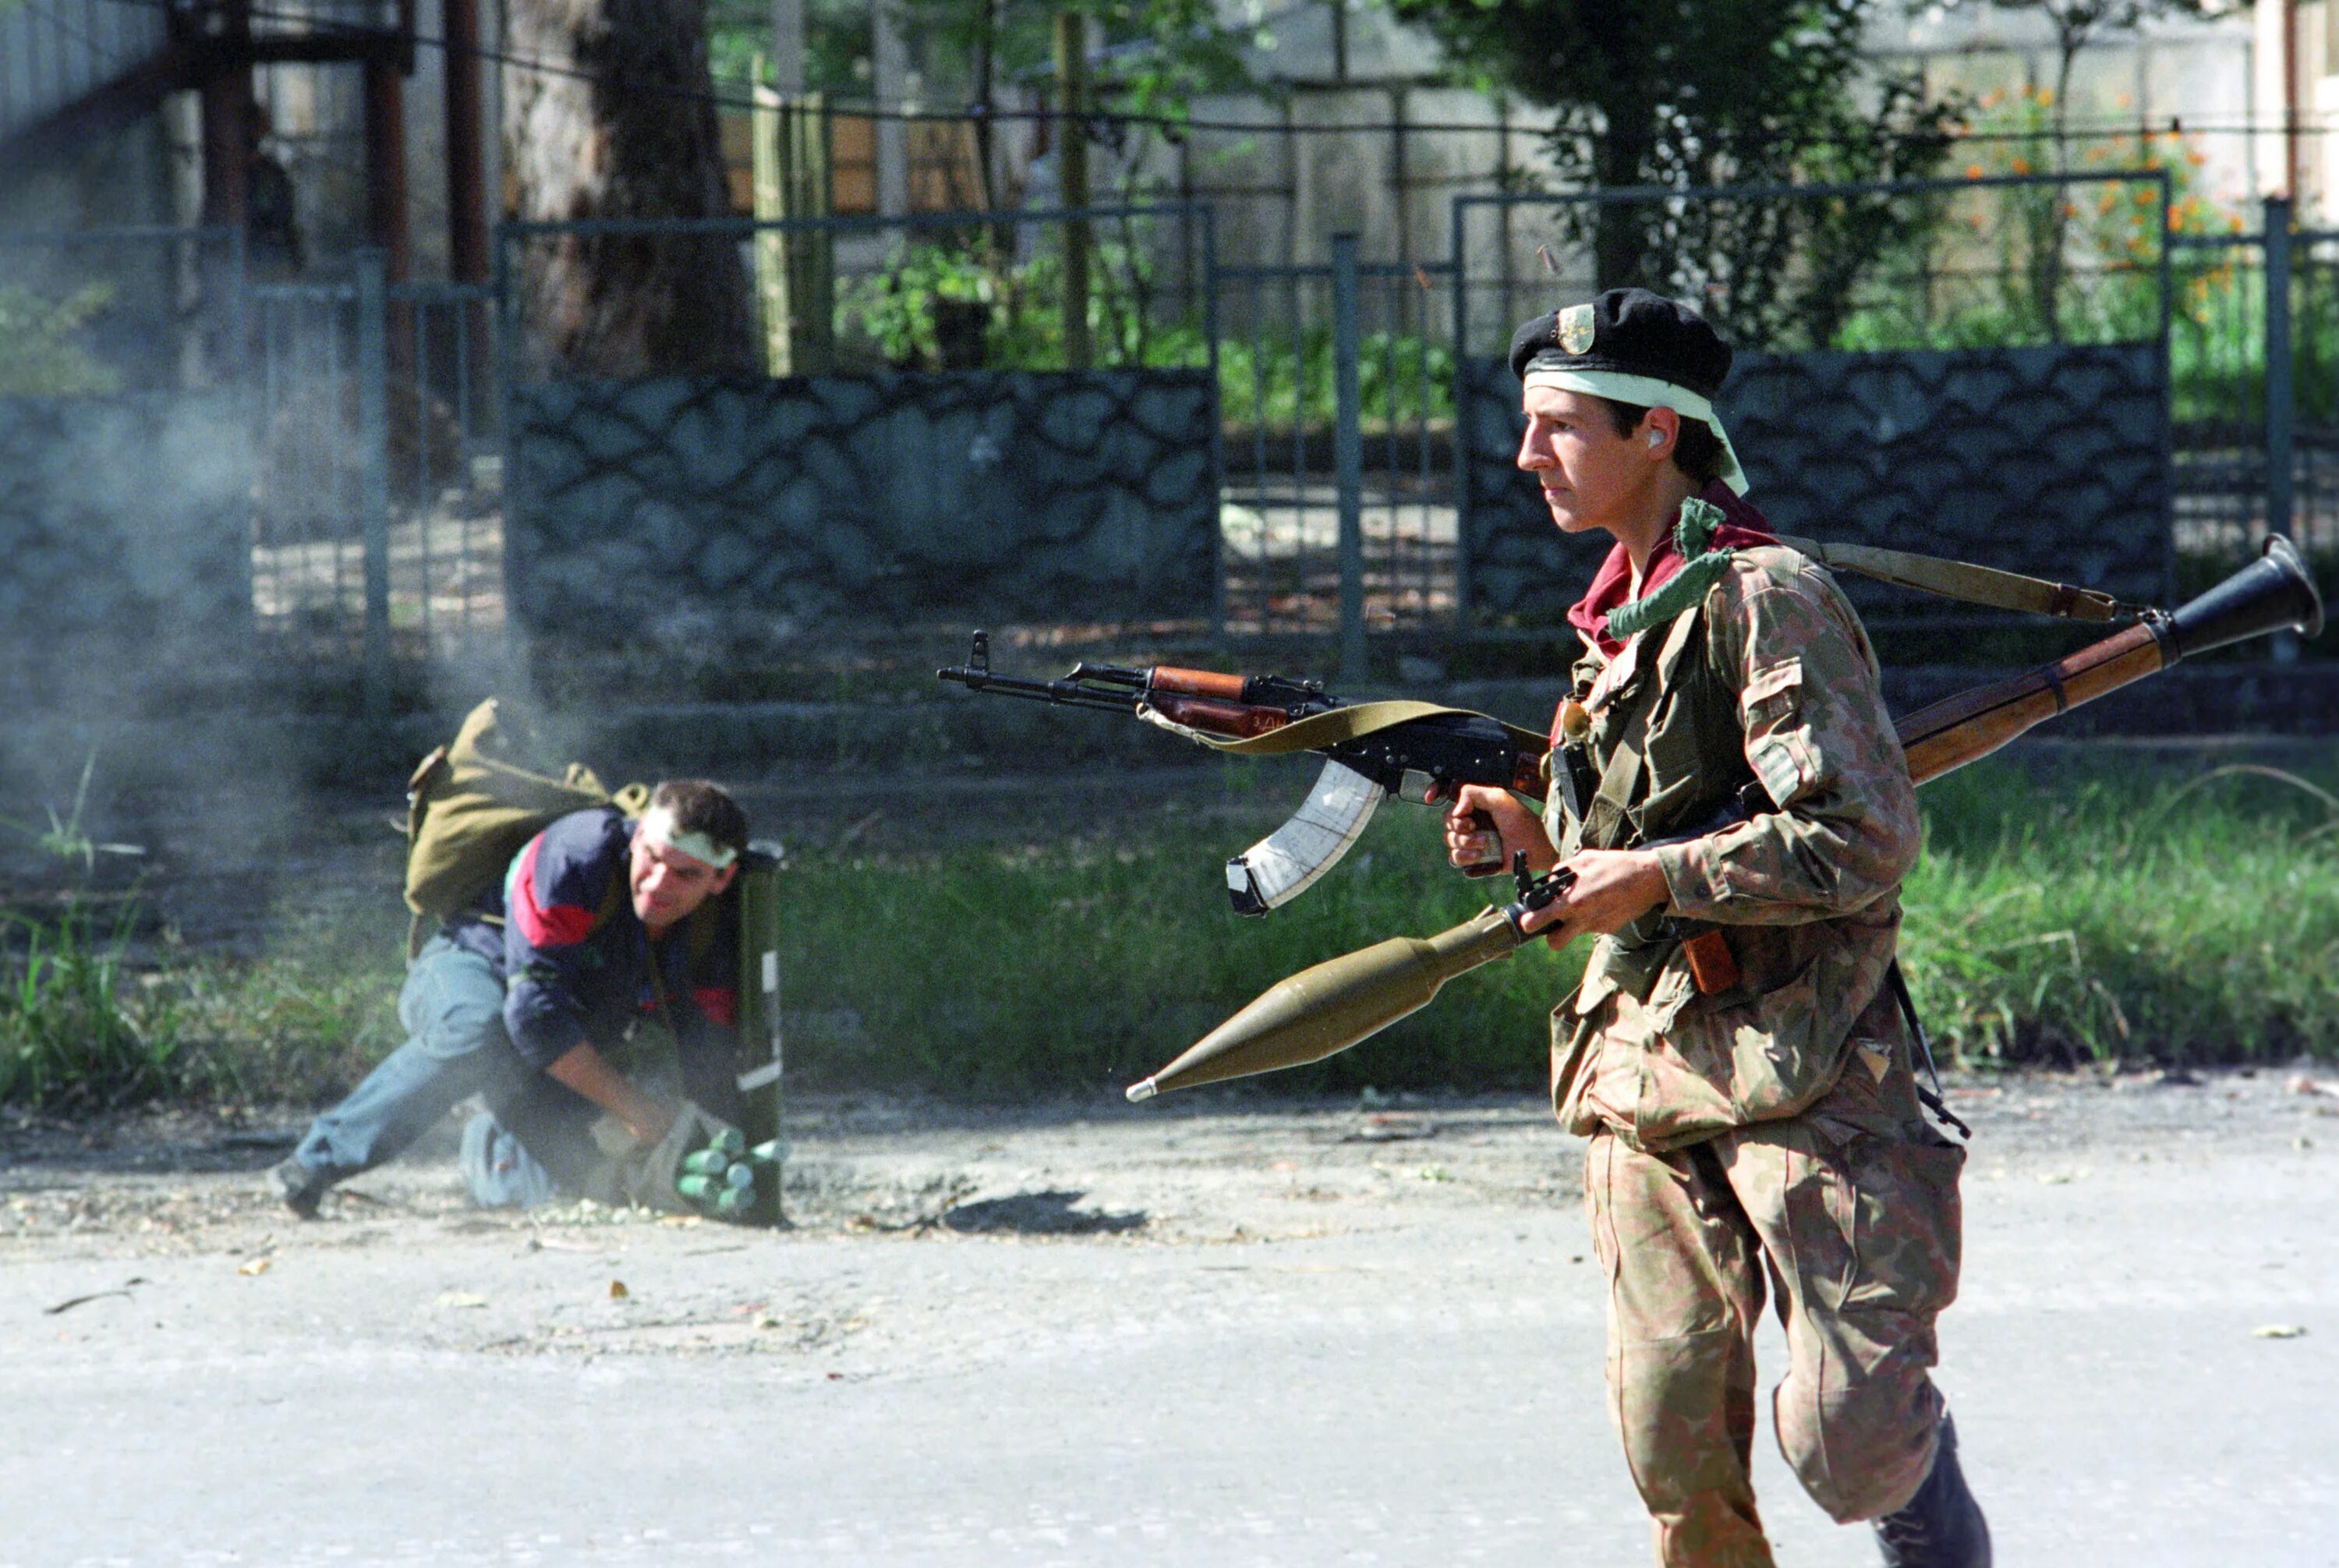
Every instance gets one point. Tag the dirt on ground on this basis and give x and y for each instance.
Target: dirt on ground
(1217, 1168)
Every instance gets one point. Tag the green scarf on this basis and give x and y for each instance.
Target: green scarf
(1701, 568)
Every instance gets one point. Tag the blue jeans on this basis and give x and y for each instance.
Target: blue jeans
(538, 1138)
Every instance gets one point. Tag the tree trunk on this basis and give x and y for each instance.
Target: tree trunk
(1619, 248)
(631, 136)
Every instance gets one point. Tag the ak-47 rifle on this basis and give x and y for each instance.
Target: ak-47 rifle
(1371, 751)
(1332, 1006)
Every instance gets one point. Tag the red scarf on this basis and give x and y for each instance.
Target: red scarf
(1743, 527)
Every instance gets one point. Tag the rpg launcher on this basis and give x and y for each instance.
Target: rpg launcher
(1332, 1006)
(1371, 751)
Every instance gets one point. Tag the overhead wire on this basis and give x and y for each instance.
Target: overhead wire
(1175, 125)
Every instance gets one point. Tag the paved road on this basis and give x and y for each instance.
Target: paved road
(1394, 1359)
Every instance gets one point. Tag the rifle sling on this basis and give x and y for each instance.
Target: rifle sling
(1964, 581)
(1354, 722)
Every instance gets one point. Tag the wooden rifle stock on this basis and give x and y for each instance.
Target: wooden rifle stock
(1169, 678)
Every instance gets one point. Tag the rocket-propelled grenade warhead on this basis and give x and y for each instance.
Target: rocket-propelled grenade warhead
(1323, 1011)
(1330, 1007)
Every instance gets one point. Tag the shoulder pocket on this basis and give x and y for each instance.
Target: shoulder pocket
(1773, 692)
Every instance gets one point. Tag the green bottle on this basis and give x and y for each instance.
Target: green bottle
(730, 1140)
(770, 1152)
(701, 1188)
(733, 1204)
(707, 1162)
(741, 1177)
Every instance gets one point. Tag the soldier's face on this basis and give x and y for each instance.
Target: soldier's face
(668, 886)
(1592, 477)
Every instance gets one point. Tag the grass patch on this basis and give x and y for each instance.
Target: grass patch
(78, 1030)
(300, 1026)
(1002, 975)
(2104, 916)
(2092, 915)
(2105, 911)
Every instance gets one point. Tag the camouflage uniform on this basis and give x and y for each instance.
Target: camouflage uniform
(1771, 1126)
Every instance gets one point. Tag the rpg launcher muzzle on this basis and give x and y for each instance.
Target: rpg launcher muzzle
(2272, 594)
(1333, 1006)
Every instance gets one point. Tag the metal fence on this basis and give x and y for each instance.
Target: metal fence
(909, 423)
(1336, 389)
(2255, 403)
(376, 528)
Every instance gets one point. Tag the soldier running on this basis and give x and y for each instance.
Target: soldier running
(1737, 1054)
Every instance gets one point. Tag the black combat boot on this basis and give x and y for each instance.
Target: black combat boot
(1941, 1526)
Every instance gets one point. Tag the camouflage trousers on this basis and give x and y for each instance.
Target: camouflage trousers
(1857, 1232)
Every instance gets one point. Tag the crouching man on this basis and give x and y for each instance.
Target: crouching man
(589, 1003)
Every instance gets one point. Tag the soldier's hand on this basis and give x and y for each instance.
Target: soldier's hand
(1468, 840)
(1612, 888)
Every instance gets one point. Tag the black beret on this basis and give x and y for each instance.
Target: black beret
(1630, 330)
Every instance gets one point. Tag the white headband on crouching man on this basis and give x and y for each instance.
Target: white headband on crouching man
(1631, 346)
(659, 827)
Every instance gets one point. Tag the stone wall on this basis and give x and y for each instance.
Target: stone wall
(827, 505)
(2052, 461)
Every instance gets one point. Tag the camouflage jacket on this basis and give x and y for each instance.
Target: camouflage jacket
(1768, 677)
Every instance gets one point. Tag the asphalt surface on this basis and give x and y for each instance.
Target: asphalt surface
(1225, 1332)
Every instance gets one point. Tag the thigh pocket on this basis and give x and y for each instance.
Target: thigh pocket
(1905, 1222)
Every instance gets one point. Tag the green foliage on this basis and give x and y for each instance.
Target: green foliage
(1071, 969)
(299, 1025)
(962, 304)
(836, 44)
(39, 354)
(1159, 53)
(1679, 94)
(898, 308)
(1270, 382)
(2075, 261)
(1276, 381)
(2105, 920)
(2097, 914)
(75, 1033)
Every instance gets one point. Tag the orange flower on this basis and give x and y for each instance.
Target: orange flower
(2021, 164)
(1973, 170)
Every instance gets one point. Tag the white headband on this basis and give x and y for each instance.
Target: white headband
(1647, 393)
(658, 826)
